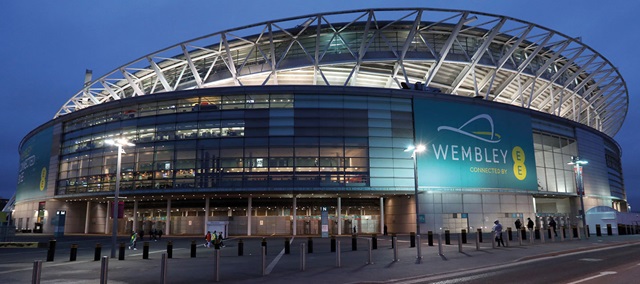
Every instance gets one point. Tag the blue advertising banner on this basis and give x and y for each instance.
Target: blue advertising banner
(471, 146)
(34, 165)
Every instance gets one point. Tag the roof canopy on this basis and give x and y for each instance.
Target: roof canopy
(461, 53)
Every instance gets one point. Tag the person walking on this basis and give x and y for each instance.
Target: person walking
(134, 240)
(497, 230)
(220, 238)
(530, 228)
(207, 237)
(518, 224)
(160, 234)
(552, 224)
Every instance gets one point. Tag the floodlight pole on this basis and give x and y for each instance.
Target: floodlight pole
(114, 231)
(577, 168)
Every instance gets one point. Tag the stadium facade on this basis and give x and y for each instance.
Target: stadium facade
(275, 127)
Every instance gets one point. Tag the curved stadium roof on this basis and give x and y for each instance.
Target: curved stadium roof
(461, 53)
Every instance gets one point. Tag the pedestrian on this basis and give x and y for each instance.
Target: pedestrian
(134, 240)
(497, 229)
(552, 224)
(220, 238)
(518, 224)
(530, 224)
(154, 233)
(207, 237)
(160, 234)
(141, 235)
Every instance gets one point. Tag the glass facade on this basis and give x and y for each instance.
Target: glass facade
(552, 153)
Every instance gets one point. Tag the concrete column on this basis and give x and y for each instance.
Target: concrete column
(339, 209)
(86, 218)
(135, 215)
(106, 221)
(206, 213)
(295, 215)
(382, 216)
(167, 230)
(249, 216)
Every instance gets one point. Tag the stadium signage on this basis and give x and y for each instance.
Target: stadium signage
(472, 146)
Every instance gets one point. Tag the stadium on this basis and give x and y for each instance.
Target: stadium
(363, 121)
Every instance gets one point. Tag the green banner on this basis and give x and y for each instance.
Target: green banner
(471, 146)
(35, 154)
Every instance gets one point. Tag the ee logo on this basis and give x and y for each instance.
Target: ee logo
(519, 169)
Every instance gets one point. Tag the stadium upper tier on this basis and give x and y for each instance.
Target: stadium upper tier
(459, 52)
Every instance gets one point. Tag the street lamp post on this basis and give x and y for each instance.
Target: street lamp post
(114, 232)
(577, 169)
(415, 149)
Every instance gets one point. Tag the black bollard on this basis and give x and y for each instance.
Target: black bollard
(598, 230)
(479, 235)
(393, 244)
(193, 249)
(264, 244)
(333, 243)
(145, 250)
(374, 241)
(51, 252)
(447, 237)
(310, 245)
(74, 252)
(97, 252)
(574, 229)
(509, 233)
(240, 247)
(430, 238)
(121, 252)
(169, 249)
(464, 236)
(354, 242)
(609, 230)
(287, 246)
(412, 239)
(523, 233)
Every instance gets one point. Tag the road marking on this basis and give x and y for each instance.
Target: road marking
(590, 259)
(276, 260)
(603, 273)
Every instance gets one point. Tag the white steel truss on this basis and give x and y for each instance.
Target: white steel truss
(462, 53)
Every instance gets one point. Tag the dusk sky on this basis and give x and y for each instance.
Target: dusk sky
(45, 47)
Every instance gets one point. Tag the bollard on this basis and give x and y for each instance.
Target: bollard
(507, 243)
(287, 246)
(163, 269)
(477, 241)
(531, 236)
(169, 249)
(519, 236)
(552, 235)
(121, 252)
(598, 230)
(74, 252)
(440, 244)
(374, 241)
(430, 238)
(574, 231)
(240, 247)
(395, 248)
(509, 234)
(193, 248)
(37, 271)
(216, 264)
(419, 244)
(587, 232)
(480, 235)
(536, 231)
(333, 243)
(145, 250)
(354, 242)
(562, 235)
(393, 244)
(370, 259)
(412, 239)
(464, 236)
(51, 252)
(541, 235)
(460, 243)
(523, 233)
(609, 230)
(303, 260)
(96, 252)
(264, 261)
(338, 255)
(264, 244)
(447, 237)
(310, 245)
(493, 240)
(104, 270)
